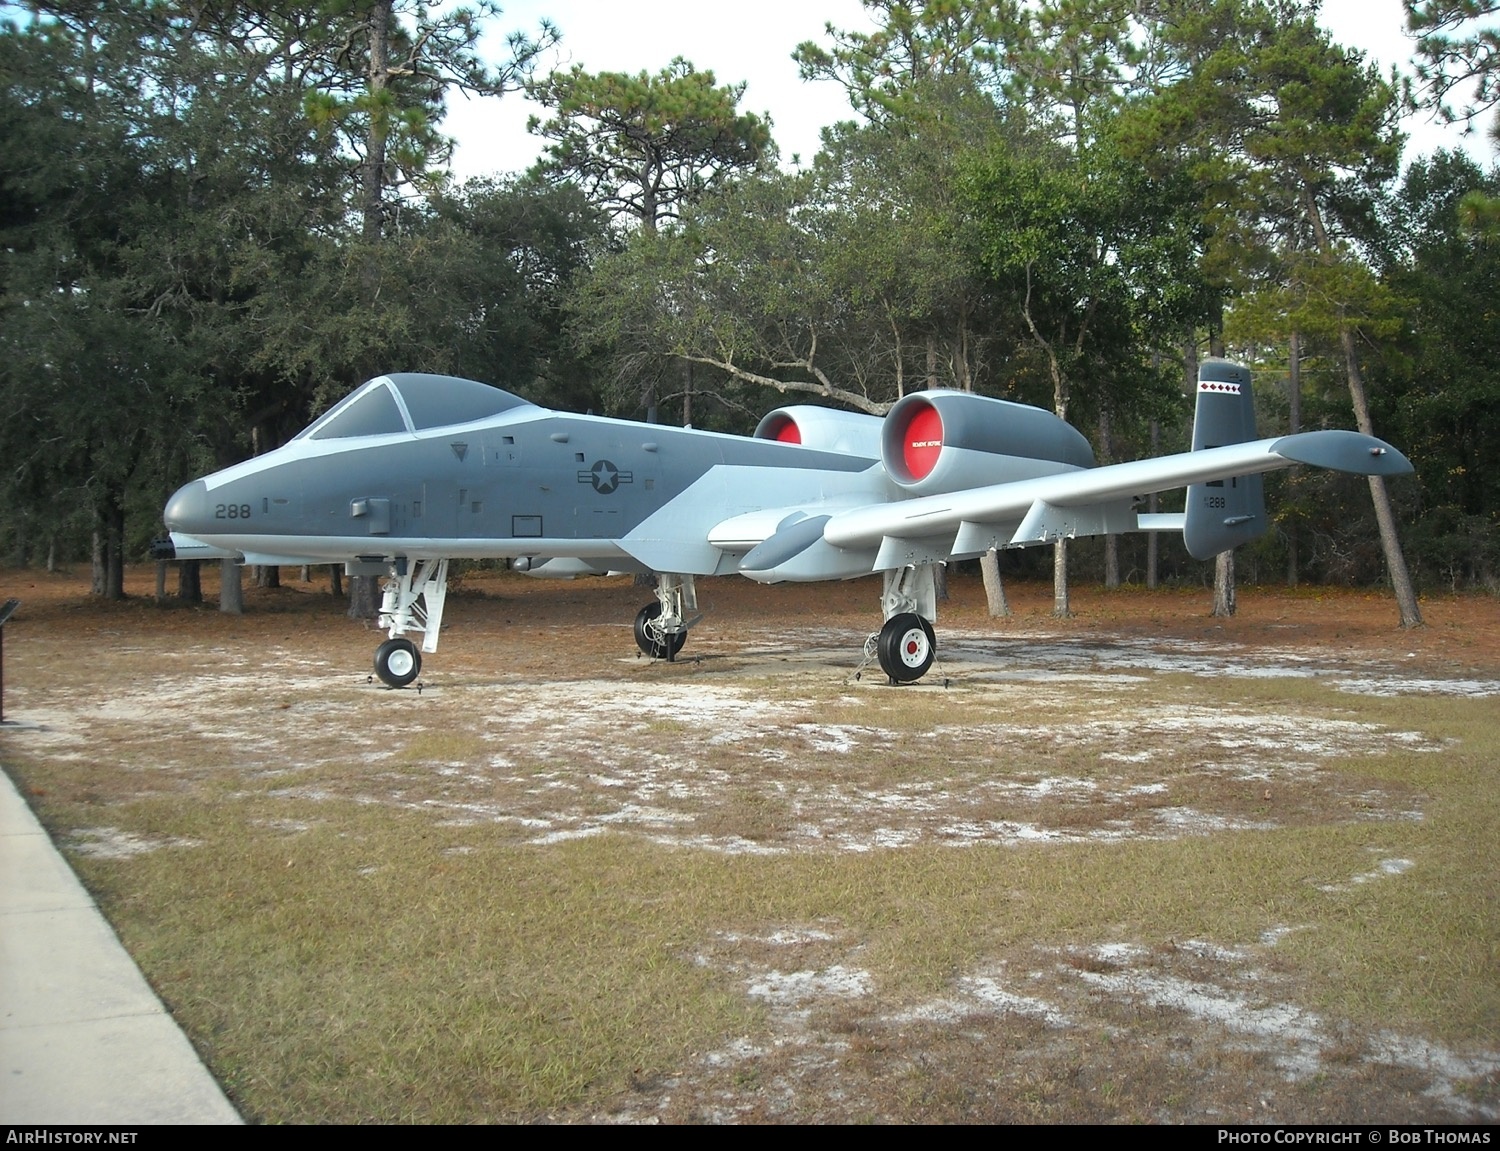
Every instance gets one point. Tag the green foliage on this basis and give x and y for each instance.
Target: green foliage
(848, 281)
(181, 281)
(503, 254)
(1093, 255)
(1049, 64)
(1442, 380)
(915, 46)
(643, 145)
(1286, 134)
(215, 220)
(1458, 42)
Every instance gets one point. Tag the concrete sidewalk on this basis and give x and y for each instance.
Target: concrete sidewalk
(83, 1038)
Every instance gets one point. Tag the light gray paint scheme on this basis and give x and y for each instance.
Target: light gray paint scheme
(379, 479)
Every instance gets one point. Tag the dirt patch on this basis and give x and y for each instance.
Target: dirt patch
(1138, 864)
(1059, 1036)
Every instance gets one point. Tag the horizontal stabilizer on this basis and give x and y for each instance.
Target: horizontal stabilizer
(1159, 521)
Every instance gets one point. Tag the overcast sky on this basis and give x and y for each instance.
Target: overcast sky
(605, 36)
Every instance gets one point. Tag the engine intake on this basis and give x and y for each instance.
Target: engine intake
(944, 441)
(826, 429)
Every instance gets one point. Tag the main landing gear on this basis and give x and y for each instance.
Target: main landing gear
(414, 597)
(661, 628)
(906, 645)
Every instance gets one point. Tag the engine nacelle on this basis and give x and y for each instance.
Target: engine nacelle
(826, 429)
(944, 441)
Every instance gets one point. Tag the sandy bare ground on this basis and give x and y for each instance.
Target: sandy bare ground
(1307, 726)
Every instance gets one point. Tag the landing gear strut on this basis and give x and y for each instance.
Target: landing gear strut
(414, 597)
(907, 645)
(661, 628)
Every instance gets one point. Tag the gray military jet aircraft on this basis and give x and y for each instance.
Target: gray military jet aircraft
(410, 471)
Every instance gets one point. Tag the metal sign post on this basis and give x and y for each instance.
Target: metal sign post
(5, 613)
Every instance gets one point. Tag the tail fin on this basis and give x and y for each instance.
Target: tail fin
(1223, 513)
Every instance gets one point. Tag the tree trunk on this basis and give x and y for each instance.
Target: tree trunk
(1294, 425)
(109, 548)
(1224, 604)
(994, 587)
(190, 581)
(1153, 544)
(114, 563)
(1111, 542)
(1385, 516)
(1060, 395)
(336, 579)
(96, 565)
(268, 576)
(1060, 605)
(1294, 384)
(231, 589)
(161, 581)
(364, 597)
(372, 171)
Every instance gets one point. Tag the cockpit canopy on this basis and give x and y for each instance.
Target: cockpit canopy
(409, 402)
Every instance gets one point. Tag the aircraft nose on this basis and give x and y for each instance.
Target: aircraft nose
(188, 511)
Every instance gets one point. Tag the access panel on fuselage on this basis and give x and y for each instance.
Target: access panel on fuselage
(561, 478)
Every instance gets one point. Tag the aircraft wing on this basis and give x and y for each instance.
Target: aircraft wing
(1086, 501)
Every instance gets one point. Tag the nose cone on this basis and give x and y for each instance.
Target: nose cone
(188, 510)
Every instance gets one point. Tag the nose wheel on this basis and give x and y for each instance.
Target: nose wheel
(906, 647)
(397, 662)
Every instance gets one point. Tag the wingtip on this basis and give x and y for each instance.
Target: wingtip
(1343, 451)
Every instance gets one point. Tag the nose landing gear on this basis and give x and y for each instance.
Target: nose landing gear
(414, 598)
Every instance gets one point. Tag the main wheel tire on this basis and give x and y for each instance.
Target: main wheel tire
(398, 662)
(652, 642)
(906, 648)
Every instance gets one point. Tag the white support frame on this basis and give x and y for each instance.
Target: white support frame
(910, 589)
(678, 595)
(414, 598)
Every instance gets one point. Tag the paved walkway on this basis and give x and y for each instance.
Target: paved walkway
(83, 1038)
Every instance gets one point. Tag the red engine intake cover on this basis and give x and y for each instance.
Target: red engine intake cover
(784, 429)
(921, 440)
(946, 440)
